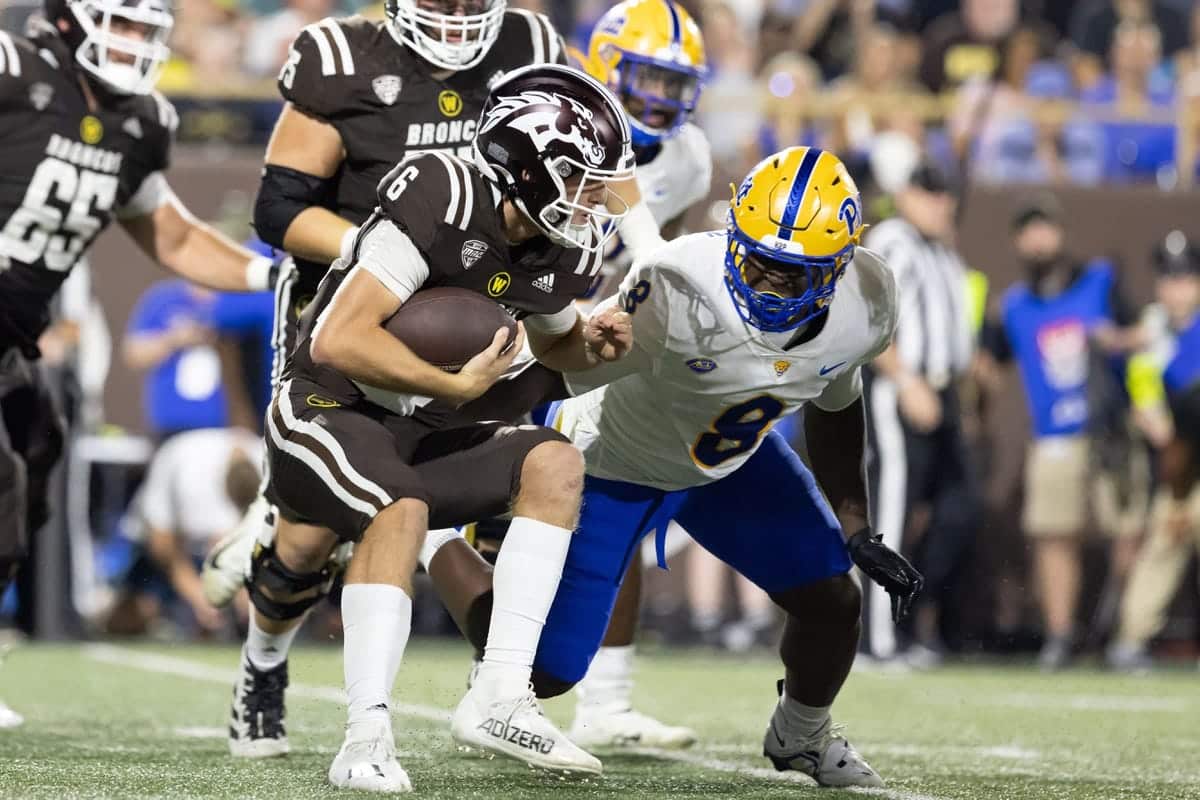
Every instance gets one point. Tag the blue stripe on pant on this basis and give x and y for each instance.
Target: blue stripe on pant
(768, 521)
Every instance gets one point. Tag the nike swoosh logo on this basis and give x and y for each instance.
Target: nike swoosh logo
(826, 370)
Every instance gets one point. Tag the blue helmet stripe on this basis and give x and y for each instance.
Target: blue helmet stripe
(803, 174)
(676, 33)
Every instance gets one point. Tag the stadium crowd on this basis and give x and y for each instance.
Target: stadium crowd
(924, 101)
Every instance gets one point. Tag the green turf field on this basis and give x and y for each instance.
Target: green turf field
(121, 722)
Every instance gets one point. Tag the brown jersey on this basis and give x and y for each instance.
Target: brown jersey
(387, 102)
(450, 211)
(65, 171)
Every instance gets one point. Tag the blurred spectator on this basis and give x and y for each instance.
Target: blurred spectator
(270, 36)
(924, 495)
(1047, 321)
(830, 31)
(170, 338)
(198, 486)
(967, 43)
(787, 87)
(206, 46)
(858, 94)
(723, 104)
(1135, 147)
(996, 119)
(1169, 409)
(1094, 32)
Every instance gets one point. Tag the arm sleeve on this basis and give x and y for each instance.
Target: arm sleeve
(559, 323)
(150, 196)
(387, 253)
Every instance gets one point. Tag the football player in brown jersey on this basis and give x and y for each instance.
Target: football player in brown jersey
(84, 140)
(366, 442)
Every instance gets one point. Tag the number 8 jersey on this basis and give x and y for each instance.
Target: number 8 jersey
(700, 389)
(65, 172)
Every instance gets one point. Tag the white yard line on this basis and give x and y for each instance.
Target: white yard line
(183, 668)
(1135, 704)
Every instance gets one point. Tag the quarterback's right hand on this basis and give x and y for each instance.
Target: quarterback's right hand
(478, 374)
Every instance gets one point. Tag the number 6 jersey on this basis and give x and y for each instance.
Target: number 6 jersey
(65, 172)
(701, 387)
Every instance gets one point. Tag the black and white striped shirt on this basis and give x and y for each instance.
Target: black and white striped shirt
(933, 336)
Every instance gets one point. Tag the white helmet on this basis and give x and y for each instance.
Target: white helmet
(456, 37)
(98, 32)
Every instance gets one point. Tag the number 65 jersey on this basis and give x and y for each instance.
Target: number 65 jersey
(701, 388)
(65, 171)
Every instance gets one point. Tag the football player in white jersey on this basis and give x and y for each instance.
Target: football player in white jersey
(651, 54)
(735, 329)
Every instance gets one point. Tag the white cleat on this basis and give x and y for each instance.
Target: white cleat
(367, 760)
(516, 727)
(10, 718)
(624, 727)
(227, 565)
(827, 758)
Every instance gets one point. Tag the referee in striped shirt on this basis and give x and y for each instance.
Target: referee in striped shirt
(917, 459)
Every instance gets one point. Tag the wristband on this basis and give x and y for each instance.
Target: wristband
(855, 540)
(346, 249)
(258, 274)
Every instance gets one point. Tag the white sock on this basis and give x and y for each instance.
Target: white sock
(376, 620)
(434, 541)
(528, 569)
(797, 721)
(268, 650)
(608, 685)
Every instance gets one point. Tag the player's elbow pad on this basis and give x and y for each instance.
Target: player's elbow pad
(283, 194)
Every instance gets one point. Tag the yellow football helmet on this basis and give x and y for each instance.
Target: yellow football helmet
(796, 219)
(651, 55)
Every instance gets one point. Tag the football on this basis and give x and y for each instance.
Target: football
(448, 327)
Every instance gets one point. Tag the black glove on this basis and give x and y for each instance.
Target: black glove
(888, 568)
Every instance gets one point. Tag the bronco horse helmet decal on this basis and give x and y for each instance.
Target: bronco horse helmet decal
(549, 135)
(540, 115)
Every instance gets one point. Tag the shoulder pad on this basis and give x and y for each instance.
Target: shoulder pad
(425, 192)
(534, 39)
(20, 66)
(319, 61)
(165, 112)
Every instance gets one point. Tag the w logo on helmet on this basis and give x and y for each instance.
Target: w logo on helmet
(548, 118)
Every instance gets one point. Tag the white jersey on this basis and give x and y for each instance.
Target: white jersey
(692, 401)
(677, 179)
(184, 492)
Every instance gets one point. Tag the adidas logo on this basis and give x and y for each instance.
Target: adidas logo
(545, 283)
(521, 738)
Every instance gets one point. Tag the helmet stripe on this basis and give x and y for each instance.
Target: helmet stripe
(799, 185)
(676, 32)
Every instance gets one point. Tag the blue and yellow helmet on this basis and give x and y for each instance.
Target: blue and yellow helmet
(797, 214)
(651, 55)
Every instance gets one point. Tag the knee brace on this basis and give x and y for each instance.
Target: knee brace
(281, 594)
